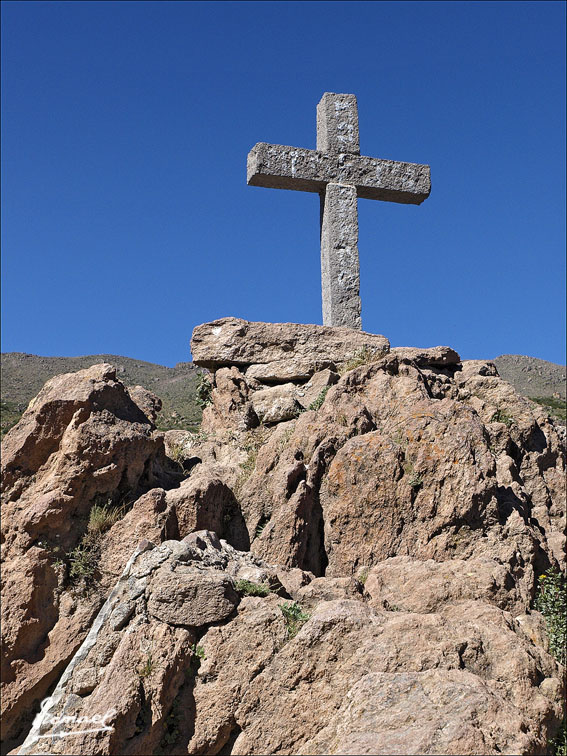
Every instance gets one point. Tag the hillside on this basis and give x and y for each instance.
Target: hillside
(537, 379)
(23, 375)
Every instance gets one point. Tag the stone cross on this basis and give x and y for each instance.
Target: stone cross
(339, 174)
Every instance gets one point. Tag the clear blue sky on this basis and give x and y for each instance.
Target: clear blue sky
(127, 219)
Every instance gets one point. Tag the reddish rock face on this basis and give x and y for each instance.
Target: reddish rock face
(402, 521)
(81, 441)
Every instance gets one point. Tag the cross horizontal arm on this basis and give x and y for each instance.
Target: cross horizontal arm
(280, 167)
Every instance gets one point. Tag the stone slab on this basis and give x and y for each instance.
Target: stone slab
(279, 167)
(232, 341)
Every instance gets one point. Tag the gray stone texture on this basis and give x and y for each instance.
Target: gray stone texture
(308, 348)
(279, 167)
(337, 124)
(340, 272)
(337, 163)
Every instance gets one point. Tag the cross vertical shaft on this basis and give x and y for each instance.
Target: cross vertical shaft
(337, 133)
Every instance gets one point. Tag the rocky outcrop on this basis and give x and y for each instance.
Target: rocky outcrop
(384, 517)
(82, 442)
(457, 675)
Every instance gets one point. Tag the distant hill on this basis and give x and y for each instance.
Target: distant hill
(530, 376)
(542, 381)
(23, 375)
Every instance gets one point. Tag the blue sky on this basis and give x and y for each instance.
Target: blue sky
(127, 221)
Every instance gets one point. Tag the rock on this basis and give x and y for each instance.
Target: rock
(190, 597)
(231, 341)
(276, 404)
(82, 441)
(205, 502)
(406, 584)
(438, 356)
(149, 403)
(279, 371)
(409, 514)
(312, 390)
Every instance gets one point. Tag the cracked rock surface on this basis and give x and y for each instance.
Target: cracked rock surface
(357, 577)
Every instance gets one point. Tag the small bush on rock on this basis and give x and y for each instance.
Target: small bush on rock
(294, 618)
(248, 588)
(315, 405)
(204, 390)
(551, 601)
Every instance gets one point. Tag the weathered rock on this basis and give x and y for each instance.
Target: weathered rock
(205, 502)
(276, 404)
(279, 371)
(440, 355)
(231, 341)
(311, 391)
(189, 597)
(82, 441)
(399, 461)
(149, 403)
(409, 515)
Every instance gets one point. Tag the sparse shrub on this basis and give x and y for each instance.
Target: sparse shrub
(248, 588)
(83, 561)
(342, 420)
(146, 667)
(500, 416)
(260, 527)
(363, 356)
(246, 469)
(204, 390)
(102, 517)
(363, 575)
(558, 745)
(551, 601)
(197, 656)
(556, 407)
(315, 405)
(294, 618)
(415, 480)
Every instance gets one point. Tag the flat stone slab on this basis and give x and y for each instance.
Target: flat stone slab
(279, 167)
(231, 341)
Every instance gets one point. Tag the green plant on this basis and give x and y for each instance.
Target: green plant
(294, 617)
(316, 404)
(558, 746)
(171, 725)
(146, 667)
(246, 469)
(363, 356)
(102, 517)
(197, 656)
(551, 601)
(363, 575)
(556, 407)
(502, 417)
(204, 390)
(248, 588)
(83, 561)
(260, 527)
(415, 480)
